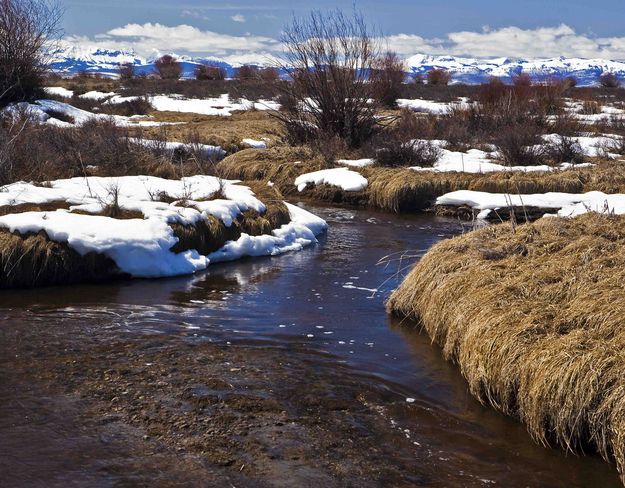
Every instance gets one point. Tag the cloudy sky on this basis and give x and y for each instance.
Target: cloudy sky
(481, 28)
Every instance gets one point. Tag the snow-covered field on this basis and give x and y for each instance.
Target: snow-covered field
(44, 111)
(141, 247)
(222, 105)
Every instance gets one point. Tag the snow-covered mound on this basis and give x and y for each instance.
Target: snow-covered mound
(343, 178)
(566, 204)
(142, 247)
(48, 111)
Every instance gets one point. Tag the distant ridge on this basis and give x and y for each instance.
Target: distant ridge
(72, 60)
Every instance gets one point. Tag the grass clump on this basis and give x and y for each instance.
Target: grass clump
(533, 318)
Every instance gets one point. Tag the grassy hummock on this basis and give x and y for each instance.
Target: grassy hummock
(534, 319)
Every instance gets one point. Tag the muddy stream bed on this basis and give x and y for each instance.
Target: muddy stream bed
(282, 371)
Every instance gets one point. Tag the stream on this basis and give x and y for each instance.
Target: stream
(322, 307)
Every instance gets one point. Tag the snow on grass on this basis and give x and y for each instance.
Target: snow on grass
(41, 110)
(117, 99)
(142, 247)
(254, 144)
(222, 105)
(356, 163)
(215, 152)
(96, 95)
(58, 91)
(342, 177)
(420, 105)
(302, 231)
(567, 204)
(478, 161)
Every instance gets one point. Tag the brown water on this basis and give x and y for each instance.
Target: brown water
(318, 304)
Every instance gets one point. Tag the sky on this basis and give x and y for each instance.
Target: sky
(477, 28)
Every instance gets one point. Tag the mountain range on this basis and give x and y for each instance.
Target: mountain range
(72, 60)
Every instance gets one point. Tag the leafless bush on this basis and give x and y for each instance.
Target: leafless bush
(493, 91)
(331, 55)
(208, 72)
(565, 149)
(438, 76)
(590, 107)
(387, 78)
(168, 67)
(269, 75)
(126, 71)
(404, 143)
(520, 146)
(247, 72)
(26, 26)
(609, 80)
(393, 152)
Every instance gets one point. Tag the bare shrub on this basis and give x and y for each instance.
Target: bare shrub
(521, 80)
(609, 80)
(168, 67)
(569, 82)
(138, 106)
(269, 75)
(26, 26)
(331, 55)
(438, 76)
(208, 72)
(387, 78)
(493, 91)
(126, 71)
(590, 107)
(565, 149)
(247, 72)
(404, 143)
(520, 146)
(393, 152)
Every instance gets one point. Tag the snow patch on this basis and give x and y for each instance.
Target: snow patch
(342, 177)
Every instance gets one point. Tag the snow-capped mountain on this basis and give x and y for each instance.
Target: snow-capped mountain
(472, 70)
(72, 60)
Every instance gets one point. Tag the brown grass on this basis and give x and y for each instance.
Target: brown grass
(227, 132)
(534, 320)
(405, 190)
(34, 260)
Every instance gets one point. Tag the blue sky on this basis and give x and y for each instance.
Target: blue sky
(434, 22)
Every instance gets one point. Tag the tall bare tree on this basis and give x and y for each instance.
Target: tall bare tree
(27, 29)
(330, 56)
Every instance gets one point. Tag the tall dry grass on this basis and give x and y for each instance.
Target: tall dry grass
(533, 318)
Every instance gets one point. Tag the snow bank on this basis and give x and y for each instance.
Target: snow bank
(254, 144)
(142, 247)
(41, 110)
(478, 161)
(96, 95)
(341, 177)
(294, 236)
(356, 163)
(567, 204)
(420, 105)
(58, 91)
(222, 105)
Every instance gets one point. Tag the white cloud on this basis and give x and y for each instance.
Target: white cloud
(238, 18)
(542, 42)
(152, 38)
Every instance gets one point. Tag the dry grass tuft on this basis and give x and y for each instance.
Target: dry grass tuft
(34, 260)
(534, 320)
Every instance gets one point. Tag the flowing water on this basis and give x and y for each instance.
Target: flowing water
(328, 300)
